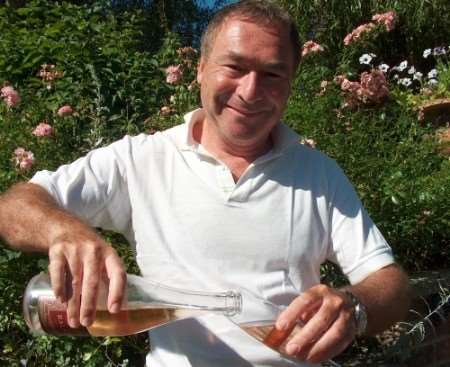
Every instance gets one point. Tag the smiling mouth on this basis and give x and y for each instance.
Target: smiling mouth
(248, 113)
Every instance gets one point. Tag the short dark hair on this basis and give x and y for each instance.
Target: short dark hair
(265, 12)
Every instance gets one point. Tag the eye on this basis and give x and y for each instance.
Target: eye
(234, 68)
(273, 75)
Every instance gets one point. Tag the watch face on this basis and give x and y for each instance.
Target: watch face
(361, 319)
(360, 313)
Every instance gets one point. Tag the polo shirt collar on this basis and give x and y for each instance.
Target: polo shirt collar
(283, 136)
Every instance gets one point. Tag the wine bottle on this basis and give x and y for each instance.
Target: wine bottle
(146, 305)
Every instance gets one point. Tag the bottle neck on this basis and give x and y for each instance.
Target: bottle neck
(142, 292)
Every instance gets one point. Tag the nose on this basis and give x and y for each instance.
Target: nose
(250, 89)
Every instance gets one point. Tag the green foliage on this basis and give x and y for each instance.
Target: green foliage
(115, 88)
(421, 24)
(391, 157)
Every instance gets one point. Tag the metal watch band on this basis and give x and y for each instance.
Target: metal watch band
(359, 313)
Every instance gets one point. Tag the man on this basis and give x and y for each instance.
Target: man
(228, 200)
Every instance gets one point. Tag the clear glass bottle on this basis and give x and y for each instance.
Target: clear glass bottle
(146, 305)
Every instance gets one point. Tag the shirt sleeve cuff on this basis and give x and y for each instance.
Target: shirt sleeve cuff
(369, 266)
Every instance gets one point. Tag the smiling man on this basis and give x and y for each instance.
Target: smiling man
(227, 200)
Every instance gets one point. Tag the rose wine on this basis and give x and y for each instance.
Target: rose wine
(147, 305)
(128, 322)
(267, 333)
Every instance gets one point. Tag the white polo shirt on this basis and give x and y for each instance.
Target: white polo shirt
(193, 227)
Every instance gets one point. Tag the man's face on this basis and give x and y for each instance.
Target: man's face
(245, 81)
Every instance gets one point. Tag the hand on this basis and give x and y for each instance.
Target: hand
(328, 324)
(79, 261)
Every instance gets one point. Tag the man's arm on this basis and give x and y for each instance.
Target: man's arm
(327, 314)
(31, 220)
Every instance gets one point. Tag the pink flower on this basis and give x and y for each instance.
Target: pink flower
(18, 152)
(387, 18)
(173, 74)
(10, 96)
(357, 32)
(65, 111)
(165, 110)
(186, 51)
(23, 159)
(348, 86)
(49, 74)
(43, 129)
(311, 47)
(373, 86)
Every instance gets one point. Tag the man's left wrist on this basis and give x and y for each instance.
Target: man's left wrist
(359, 313)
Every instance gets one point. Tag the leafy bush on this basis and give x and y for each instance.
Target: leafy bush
(91, 59)
(390, 156)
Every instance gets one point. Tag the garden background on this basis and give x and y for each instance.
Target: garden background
(79, 75)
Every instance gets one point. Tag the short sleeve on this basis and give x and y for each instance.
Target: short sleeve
(356, 244)
(93, 187)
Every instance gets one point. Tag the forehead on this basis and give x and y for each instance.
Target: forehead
(250, 38)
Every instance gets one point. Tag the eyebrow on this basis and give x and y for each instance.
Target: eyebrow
(235, 57)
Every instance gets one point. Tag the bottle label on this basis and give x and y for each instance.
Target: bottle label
(53, 318)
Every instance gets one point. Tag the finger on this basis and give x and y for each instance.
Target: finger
(92, 270)
(298, 310)
(311, 332)
(74, 279)
(333, 306)
(57, 270)
(117, 276)
(333, 341)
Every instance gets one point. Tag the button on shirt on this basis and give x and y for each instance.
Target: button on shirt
(193, 227)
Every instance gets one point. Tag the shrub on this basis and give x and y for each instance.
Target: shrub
(83, 80)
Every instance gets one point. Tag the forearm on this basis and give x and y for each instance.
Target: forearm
(30, 219)
(387, 296)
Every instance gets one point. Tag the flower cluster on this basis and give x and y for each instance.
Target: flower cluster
(49, 74)
(165, 110)
(404, 73)
(187, 52)
(65, 111)
(23, 159)
(357, 32)
(174, 74)
(437, 51)
(43, 129)
(387, 19)
(372, 88)
(311, 47)
(10, 96)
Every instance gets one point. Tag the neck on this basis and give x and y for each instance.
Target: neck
(237, 157)
(220, 147)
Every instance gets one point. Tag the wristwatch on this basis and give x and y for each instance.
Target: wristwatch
(359, 313)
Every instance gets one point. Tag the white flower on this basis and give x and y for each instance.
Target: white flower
(384, 67)
(412, 70)
(432, 74)
(405, 81)
(418, 75)
(366, 59)
(439, 51)
(403, 65)
(432, 82)
(426, 53)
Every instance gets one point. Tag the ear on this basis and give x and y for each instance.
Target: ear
(200, 68)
